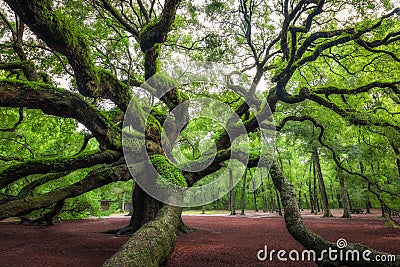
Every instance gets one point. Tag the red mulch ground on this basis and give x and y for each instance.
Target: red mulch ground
(220, 240)
(72, 243)
(235, 241)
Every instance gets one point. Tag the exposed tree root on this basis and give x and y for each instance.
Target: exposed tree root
(312, 241)
(152, 244)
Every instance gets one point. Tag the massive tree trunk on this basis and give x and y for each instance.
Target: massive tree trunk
(145, 209)
(312, 241)
(151, 245)
(325, 201)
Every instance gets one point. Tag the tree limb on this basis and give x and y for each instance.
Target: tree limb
(62, 103)
(15, 172)
(93, 180)
(59, 35)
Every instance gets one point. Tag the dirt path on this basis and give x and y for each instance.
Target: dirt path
(220, 240)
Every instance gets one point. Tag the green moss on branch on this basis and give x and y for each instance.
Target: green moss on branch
(169, 173)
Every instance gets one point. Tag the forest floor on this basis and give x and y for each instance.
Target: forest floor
(220, 240)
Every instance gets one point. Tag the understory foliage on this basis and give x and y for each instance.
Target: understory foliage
(320, 77)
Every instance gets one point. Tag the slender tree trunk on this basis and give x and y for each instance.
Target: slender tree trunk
(350, 203)
(345, 200)
(243, 199)
(278, 199)
(325, 201)
(123, 202)
(367, 205)
(315, 196)
(398, 165)
(310, 240)
(254, 195)
(367, 200)
(300, 198)
(271, 196)
(310, 194)
(232, 205)
(383, 209)
(218, 198)
(203, 210)
(339, 199)
(273, 203)
(397, 153)
(310, 191)
(362, 168)
(307, 203)
(255, 201)
(331, 192)
(264, 194)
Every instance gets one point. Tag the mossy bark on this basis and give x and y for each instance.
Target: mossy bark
(145, 209)
(62, 103)
(62, 36)
(15, 172)
(151, 244)
(310, 240)
(93, 180)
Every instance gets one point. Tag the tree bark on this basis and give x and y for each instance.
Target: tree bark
(315, 196)
(310, 193)
(62, 103)
(17, 171)
(397, 153)
(151, 245)
(367, 202)
(310, 240)
(325, 200)
(243, 196)
(254, 195)
(232, 204)
(345, 199)
(93, 180)
(300, 196)
(264, 194)
(278, 199)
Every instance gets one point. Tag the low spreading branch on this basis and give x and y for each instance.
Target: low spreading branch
(93, 180)
(15, 172)
(62, 103)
